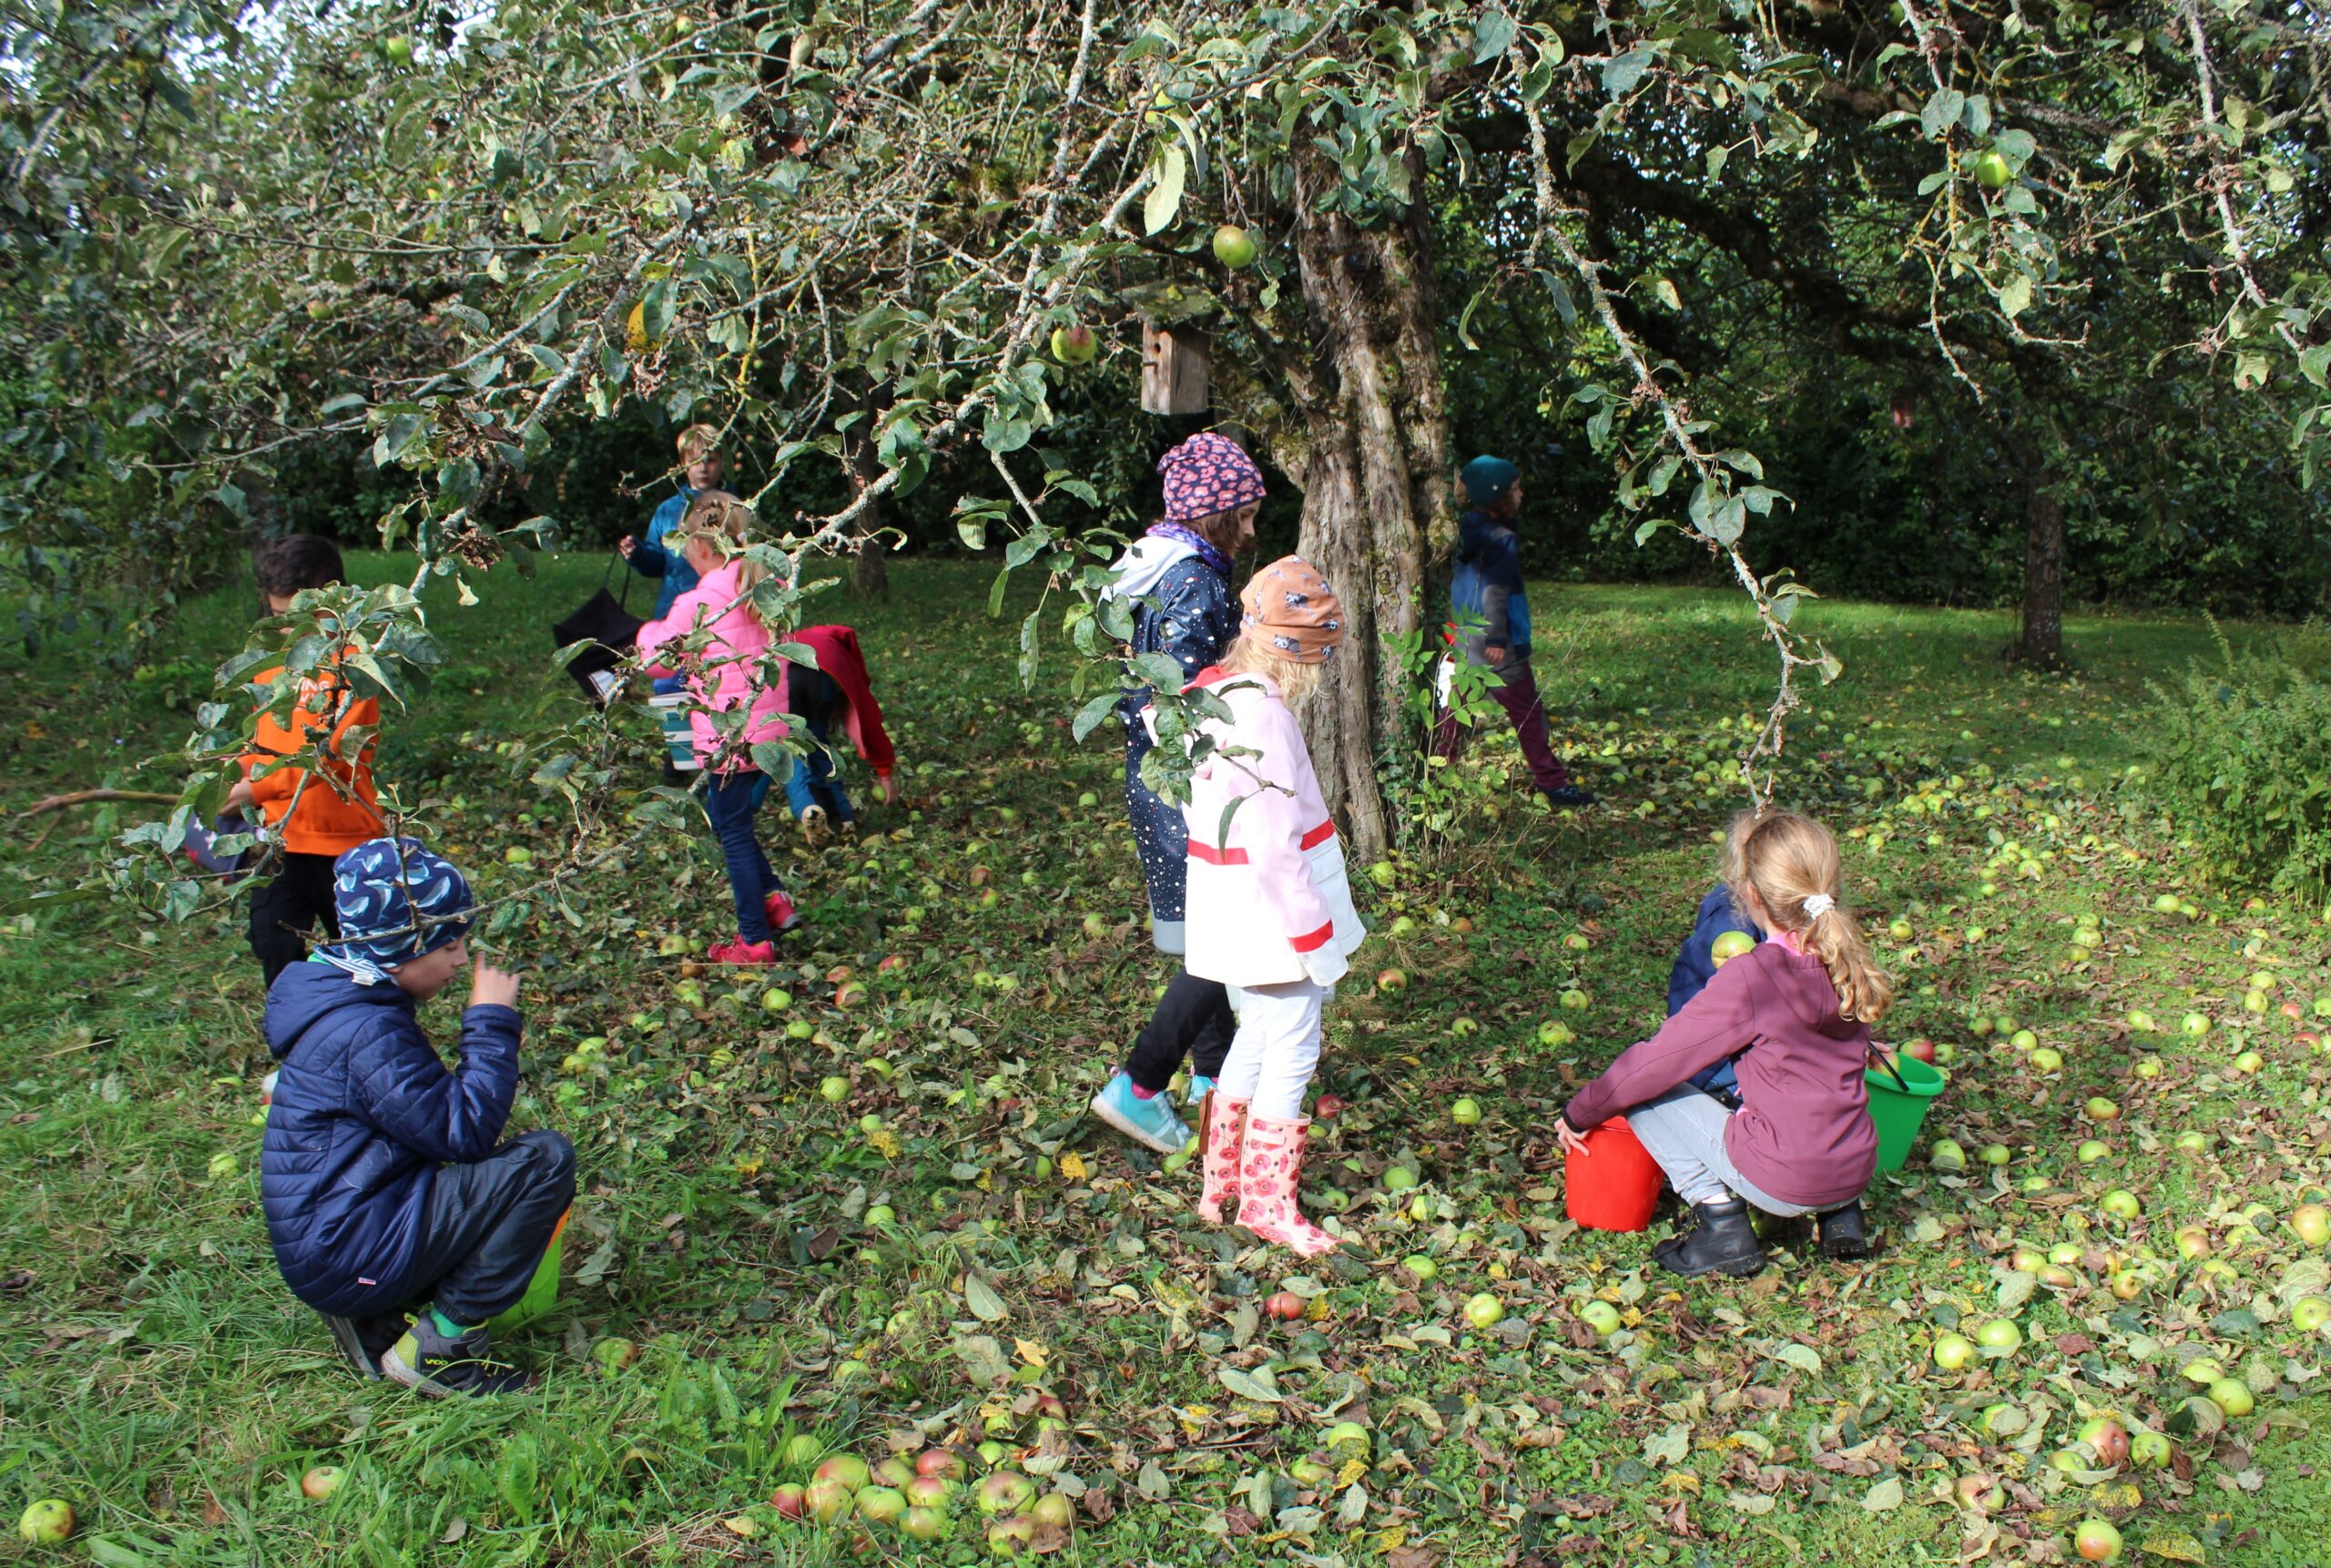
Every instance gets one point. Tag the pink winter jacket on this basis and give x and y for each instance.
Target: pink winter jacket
(1269, 900)
(728, 674)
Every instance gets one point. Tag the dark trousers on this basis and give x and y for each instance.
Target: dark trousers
(731, 801)
(1519, 697)
(1159, 834)
(1193, 1019)
(489, 1225)
(286, 909)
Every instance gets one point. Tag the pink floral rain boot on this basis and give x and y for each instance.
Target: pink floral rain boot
(1268, 1169)
(1219, 1138)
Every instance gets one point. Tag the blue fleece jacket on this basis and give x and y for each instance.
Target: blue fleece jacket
(650, 559)
(364, 1114)
(1695, 966)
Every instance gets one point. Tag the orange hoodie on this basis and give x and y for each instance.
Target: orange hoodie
(326, 823)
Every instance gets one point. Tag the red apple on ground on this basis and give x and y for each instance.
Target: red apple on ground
(1005, 1491)
(922, 1525)
(943, 1462)
(1391, 980)
(321, 1481)
(1920, 1049)
(2108, 1438)
(790, 1501)
(845, 1470)
(1284, 1305)
(1326, 1108)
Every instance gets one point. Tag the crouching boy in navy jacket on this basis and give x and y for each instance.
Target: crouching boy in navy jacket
(383, 1176)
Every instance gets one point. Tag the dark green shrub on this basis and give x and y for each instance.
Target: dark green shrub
(2248, 763)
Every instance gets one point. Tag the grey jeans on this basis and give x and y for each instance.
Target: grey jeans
(1684, 1131)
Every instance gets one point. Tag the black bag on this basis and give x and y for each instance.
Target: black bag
(609, 627)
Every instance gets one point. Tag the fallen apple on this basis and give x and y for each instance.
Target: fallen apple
(2197, 1024)
(45, 1523)
(882, 1505)
(1572, 999)
(845, 1470)
(1004, 1491)
(2233, 1395)
(941, 1464)
(613, 1355)
(1466, 1112)
(2147, 1067)
(1284, 1305)
(2120, 1204)
(1426, 1269)
(2310, 1313)
(893, 1473)
(800, 1449)
(1952, 1352)
(790, 1501)
(1601, 1316)
(1996, 1155)
(2107, 1439)
(2101, 1109)
(826, 1500)
(1920, 1049)
(321, 1481)
(1054, 1509)
(922, 1523)
(1945, 1155)
(2047, 1059)
(2148, 1449)
(1999, 1337)
(1012, 1536)
(834, 1090)
(2097, 1540)
(1391, 980)
(1484, 1310)
(1346, 1439)
(2092, 1151)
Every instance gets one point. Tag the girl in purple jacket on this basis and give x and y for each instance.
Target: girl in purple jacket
(1795, 1012)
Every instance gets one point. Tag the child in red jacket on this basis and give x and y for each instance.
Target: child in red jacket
(836, 695)
(1795, 1012)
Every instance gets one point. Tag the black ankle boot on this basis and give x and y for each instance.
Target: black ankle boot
(1843, 1237)
(1723, 1242)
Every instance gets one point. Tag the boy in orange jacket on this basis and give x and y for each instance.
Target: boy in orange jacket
(316, 818)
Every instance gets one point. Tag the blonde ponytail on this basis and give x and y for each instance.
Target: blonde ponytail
(1295, 679)
(1792, 862)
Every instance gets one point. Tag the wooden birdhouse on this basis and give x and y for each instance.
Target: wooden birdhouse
(1174, 369)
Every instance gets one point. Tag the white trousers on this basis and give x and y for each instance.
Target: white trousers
(1277, 1047)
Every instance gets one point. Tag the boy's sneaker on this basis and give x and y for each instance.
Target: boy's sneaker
(364, 1341)
(738, 951)
(1150, 1122)
(1570, 796)
(782, 915)
(1200, 1087)
(435, 1364)
(814, 826)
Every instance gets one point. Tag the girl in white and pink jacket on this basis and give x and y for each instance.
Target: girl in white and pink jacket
(1269, 908)
(728, 667)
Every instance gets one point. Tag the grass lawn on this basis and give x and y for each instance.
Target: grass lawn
(890, 1226)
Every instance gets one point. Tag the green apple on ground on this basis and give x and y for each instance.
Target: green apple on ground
(1484, 1310)
(1952, 1352)
(1601, 1316)
(45, 1523)
(2097, 1540)
(1999, 1337)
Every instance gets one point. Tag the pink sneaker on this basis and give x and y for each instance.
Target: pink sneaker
(782, 915)
(738, 951)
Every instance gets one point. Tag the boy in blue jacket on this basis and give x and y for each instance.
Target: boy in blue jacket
(699, 449)
(1695, 965)
(382, 1175)
(1487, 585)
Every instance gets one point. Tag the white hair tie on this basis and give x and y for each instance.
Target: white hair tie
(1818, 904)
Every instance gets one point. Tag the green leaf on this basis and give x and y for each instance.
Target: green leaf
(1885, 1496)
(1092, 714)
(1259, 1386)
(1168, 168)
(982, 1299)
(1621, 72)
(1492, 35)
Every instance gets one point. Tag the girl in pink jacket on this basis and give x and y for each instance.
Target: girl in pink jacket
(715, 638)
(1269, 908)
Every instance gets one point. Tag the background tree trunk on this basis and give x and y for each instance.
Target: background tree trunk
(1370, 451)
(2042, 642)
(869, 570)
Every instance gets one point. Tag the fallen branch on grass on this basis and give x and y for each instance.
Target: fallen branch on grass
(92, 796)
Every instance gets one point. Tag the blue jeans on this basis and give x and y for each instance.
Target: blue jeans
(730, 800)
(814, 783)
(1162, 839)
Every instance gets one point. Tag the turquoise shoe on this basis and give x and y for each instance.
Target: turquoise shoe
(1150, 1122)
(1200, 1087)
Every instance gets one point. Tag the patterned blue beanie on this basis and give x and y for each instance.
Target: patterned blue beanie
(382, 889)
(1486, 478)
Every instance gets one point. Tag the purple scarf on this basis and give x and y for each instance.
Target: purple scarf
(1195, 541)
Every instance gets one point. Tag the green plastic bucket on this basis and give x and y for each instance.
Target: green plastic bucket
(1897, 1109)
(542, 1291)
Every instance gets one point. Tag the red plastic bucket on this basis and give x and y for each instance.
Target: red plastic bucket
(1615, 1186)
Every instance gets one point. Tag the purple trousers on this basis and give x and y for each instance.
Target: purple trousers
(1519, 697)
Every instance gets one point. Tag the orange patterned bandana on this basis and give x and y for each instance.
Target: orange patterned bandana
(1291, 610)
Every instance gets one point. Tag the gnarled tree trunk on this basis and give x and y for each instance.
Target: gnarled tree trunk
(1370, 449)
(2042, 642)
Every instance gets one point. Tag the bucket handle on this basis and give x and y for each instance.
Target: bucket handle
(1892, 1071)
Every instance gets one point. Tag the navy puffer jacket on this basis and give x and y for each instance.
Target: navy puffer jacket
(364, 1114)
